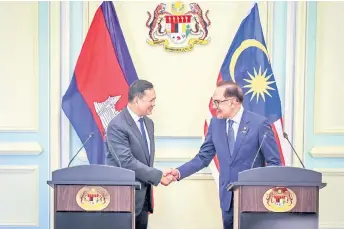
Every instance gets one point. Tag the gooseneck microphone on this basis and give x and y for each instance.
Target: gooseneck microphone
(113, 153)
(83, 145)
(260, 146)
(285, 135)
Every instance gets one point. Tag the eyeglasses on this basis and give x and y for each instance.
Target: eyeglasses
(217, 102)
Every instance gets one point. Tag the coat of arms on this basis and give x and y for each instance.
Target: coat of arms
(173, 30)
(279, 199)
(93, 198)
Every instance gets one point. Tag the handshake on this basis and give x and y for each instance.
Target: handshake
(169, 176)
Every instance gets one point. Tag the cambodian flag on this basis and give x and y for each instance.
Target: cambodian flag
(99, 88)
(247, 63)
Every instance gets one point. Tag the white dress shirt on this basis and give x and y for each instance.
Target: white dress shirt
(236, 122)
(136, 120)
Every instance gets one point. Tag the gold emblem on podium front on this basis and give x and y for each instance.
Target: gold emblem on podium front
(279, 199)
(93, 198)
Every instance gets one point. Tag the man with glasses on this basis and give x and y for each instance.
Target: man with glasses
(234, 135)
(130, 143)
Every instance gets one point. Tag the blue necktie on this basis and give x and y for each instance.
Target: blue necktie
(143, 132)
(230, 137)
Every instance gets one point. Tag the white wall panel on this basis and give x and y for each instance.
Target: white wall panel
(332, 199)
(19, 196)
(19, 66)
(329, 92)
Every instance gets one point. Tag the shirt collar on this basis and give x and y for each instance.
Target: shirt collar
(237, 117)
(133, 115)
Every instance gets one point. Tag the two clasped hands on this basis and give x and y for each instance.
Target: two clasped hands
(169, 176)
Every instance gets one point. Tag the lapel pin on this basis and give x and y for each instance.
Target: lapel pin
(244, 131)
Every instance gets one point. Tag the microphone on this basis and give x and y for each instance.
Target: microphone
(285, 135)
(114, 154)
(83, 145)
(260, 146)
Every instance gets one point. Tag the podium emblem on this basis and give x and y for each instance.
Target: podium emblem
(279, 199)
(93, 198)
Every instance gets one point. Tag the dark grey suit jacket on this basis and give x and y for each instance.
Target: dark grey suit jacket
(125, 141)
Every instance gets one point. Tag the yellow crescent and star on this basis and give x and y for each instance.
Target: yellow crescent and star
(258, 82)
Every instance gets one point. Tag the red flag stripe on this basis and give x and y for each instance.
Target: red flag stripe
(278, 143)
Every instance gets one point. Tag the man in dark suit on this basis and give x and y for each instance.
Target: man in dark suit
(130, 143)
(234, 135)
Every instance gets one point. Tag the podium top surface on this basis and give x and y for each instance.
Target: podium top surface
(278, 176)
(94, 175)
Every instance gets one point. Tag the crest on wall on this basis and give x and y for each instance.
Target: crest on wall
(279, 199)
(179, 30)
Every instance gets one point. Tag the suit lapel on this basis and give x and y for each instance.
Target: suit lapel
(151, 140)
(242, 132)
(137, 132)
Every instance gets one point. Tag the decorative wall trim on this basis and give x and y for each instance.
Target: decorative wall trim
(321, 130)
(201, 176)
(20, 148)
(270, 27)
(175, 155)
(327, 151)
(171, 159)
(65, 136)
(35, 126)
(299, 84)
(6, 169)
(330, 171)
(55, 87)
(331, 226)
(86, 18)
(289, 69)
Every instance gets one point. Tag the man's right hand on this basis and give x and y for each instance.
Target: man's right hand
(174, 172)
(167, 179)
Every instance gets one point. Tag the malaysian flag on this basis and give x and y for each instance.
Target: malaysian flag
(247, 63)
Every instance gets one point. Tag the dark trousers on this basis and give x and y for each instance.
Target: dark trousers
(227, 217)
(141, 220)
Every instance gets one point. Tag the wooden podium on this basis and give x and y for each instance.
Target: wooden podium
(278, 197)
(94, 196)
